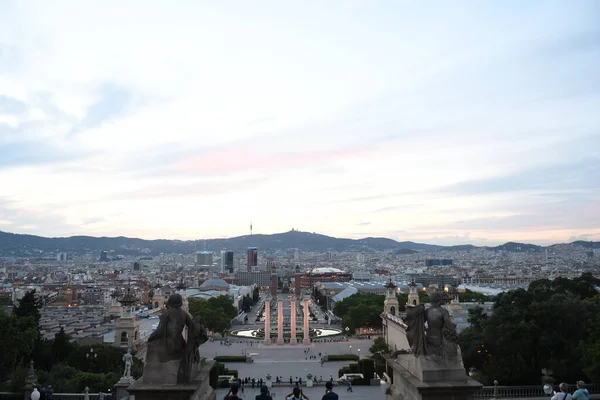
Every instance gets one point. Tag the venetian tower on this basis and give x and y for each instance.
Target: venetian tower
(390, 305)
(127, 332)
(413, 295)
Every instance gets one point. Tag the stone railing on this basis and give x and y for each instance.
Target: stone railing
(56, 396)
(524, 392)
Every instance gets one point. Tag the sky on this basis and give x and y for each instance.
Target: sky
(438, 122)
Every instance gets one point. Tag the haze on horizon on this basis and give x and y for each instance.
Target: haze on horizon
(467, 122)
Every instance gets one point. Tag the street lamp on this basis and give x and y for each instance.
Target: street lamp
(350, 349)
(359, 354)
(91, 356)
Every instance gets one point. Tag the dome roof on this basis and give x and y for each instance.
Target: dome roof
(215, 282)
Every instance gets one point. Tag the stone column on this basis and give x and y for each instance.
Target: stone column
(306, 327)
(293, 314)
(267, 321)
(279, 321)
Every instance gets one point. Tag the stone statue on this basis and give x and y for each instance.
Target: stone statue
(430, 331)
(128, 359)
(167, 344)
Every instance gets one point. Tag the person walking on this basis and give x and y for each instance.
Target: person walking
(349, 383)
(563, 394)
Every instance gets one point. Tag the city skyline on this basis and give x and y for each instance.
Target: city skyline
(466, 123)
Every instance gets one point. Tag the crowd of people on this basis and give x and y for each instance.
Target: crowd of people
(296, 393)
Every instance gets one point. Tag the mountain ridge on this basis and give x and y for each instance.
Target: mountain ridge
(12, 244)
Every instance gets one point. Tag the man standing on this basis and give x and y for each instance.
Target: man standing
(581, 393)
(329, 393)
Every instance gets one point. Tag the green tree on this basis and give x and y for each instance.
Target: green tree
(18, 336)
(379, 346)
(247, 303)
(29, 306)
(470, 296)
(360, 311)
(256, 294)
(402, 300)
(542, 326)
(61, 346)
(589, 349)
(224, 303)
(215, 313)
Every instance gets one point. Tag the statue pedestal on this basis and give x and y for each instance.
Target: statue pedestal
(422, 379)
(121, 388)
(427, 370)
(153, 386)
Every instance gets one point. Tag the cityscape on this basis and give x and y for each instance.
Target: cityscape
(299, 200)
(114, 297)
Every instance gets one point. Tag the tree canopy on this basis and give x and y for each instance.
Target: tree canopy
(60, 361)
(546, 326)
(360, 311)
(29, 306)
(215, 313)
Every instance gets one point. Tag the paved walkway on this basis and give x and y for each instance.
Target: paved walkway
(288, 360)
(315, 393)
(285, 352)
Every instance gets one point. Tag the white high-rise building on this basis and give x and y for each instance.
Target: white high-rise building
(223, 260)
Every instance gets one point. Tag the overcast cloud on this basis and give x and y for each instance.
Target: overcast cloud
(446, 122)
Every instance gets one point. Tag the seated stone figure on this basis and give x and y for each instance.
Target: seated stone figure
(431, 332)
(166, 343)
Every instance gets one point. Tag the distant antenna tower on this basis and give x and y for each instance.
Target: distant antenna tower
(250, 228)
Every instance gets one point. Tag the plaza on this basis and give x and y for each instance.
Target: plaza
(291, 360)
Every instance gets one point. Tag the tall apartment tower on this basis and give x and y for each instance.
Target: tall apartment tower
(222, 262)
(226, 263)
(252, 258)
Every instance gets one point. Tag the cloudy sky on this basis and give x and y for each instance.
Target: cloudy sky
(459, 122)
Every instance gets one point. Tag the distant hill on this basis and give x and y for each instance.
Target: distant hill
(517, 247)
(30, 245)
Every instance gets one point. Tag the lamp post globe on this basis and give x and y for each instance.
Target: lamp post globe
(548, 389)
(35, 395)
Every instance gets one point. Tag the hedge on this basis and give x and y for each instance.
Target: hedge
(342, 357)
(230, 358)
(364, 366)
(219, 369)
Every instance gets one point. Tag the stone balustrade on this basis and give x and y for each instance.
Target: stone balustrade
(526, 392)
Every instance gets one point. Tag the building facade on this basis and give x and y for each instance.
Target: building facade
(259, 278)
(252, 260)
(204, 259)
